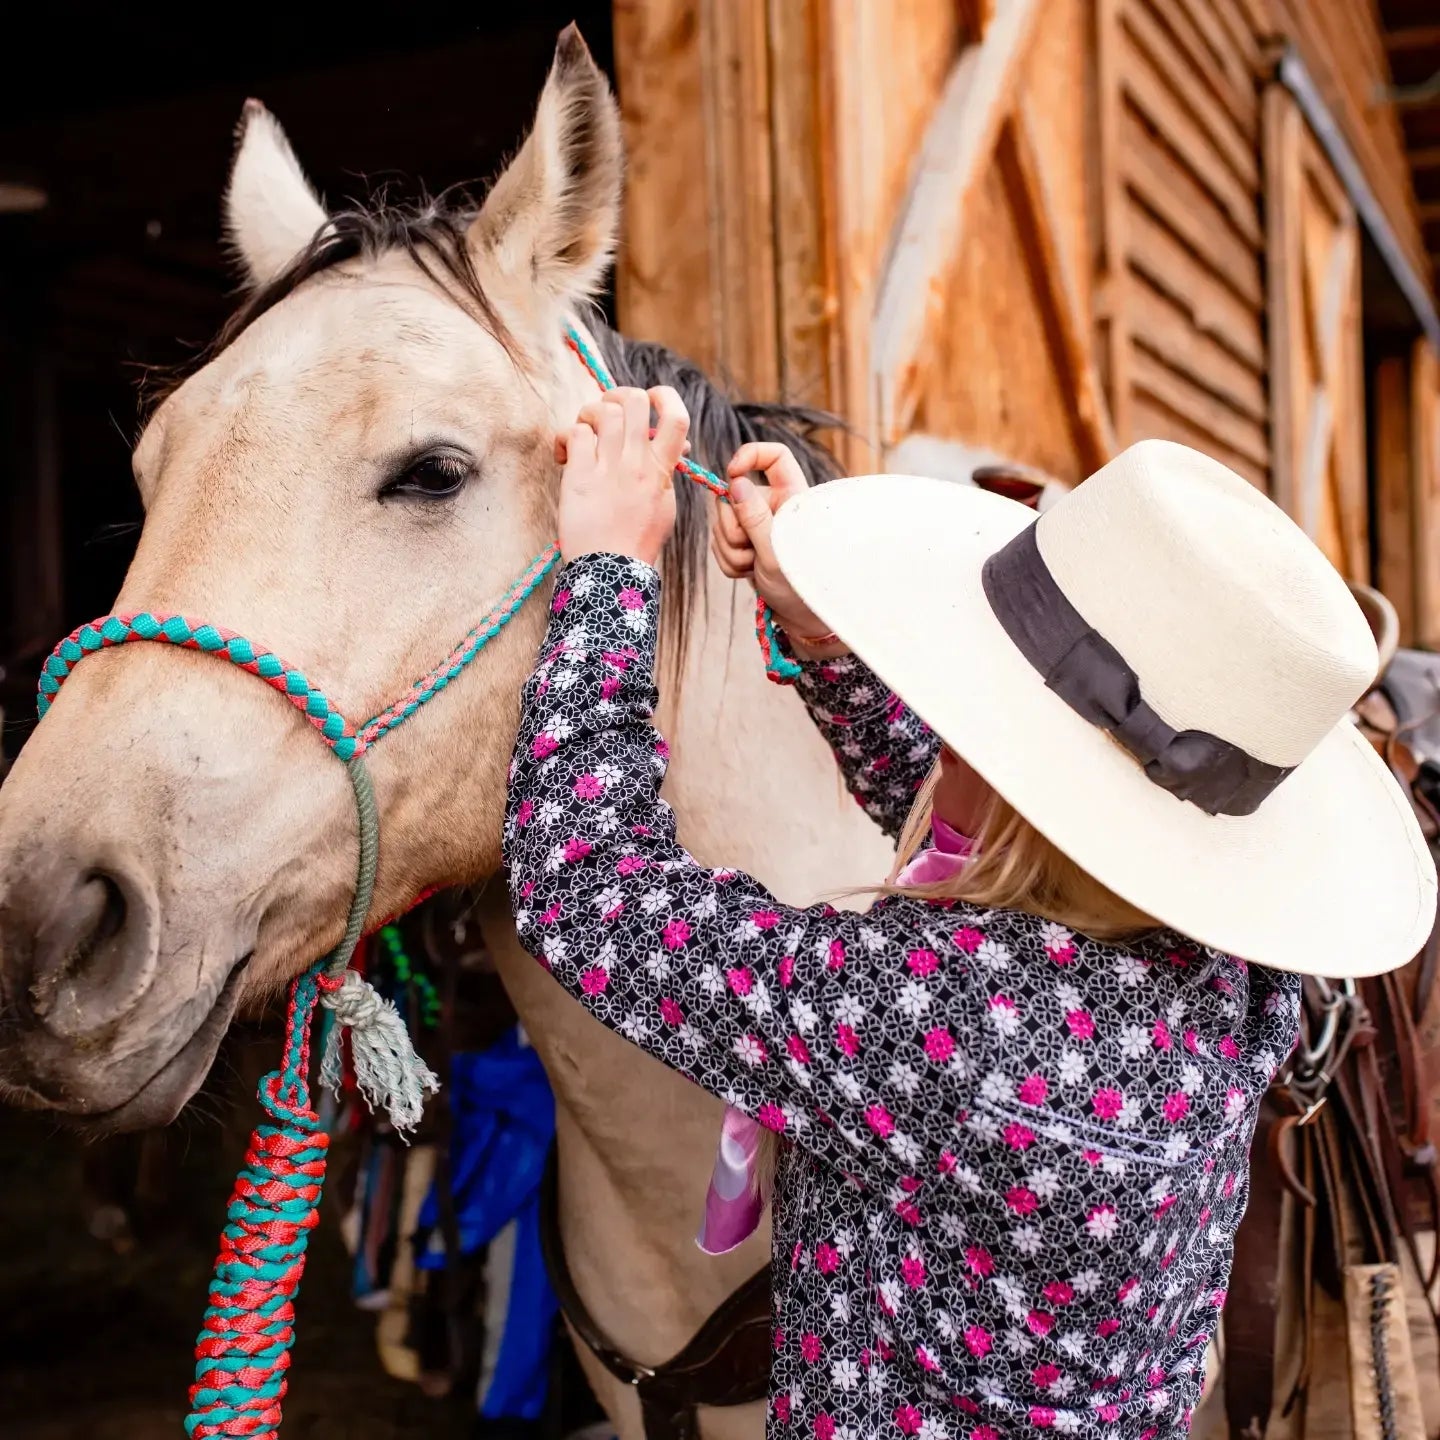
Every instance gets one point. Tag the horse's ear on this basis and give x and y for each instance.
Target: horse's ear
(550, 220)
(271, 212)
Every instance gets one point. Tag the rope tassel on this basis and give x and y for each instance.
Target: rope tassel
(390, 1074)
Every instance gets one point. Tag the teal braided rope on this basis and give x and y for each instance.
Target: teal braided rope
(778, 665)
(112, 630)
(428, 686)
(289, 680)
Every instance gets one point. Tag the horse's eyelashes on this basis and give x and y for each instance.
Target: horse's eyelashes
(430, 477)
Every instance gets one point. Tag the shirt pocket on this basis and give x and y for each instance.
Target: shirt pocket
(1022, 1127)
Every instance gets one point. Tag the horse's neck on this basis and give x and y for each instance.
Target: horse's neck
(753, 786)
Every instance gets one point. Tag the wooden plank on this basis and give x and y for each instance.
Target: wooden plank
(807, 302)
(1068, 331)
(1337, 73)
(960, 139)
(1237, 26)
(741, 213)
(1260, 17)
(883, 70)
(1314, 465)
(664, 280)
(976, 16)
(1225, 74)
(1112, 268)
(1169, 62)
(1187, 143)
(1201, 15)
(989, 376)
(1215, 310)
(1395, 535)
(1280, 127)
(1168, 330)
(1425, 489)
(1171, 194)
(1155, 421)
(1202, 411)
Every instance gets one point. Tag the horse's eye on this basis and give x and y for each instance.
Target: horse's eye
(431, 477)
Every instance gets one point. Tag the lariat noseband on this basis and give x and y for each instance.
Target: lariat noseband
(243, 1350)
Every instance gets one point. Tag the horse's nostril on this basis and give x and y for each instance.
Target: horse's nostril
(95, 956)
(99, 917)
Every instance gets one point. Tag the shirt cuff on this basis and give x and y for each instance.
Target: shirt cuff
(607, 601)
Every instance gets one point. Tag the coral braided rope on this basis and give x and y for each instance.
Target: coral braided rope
(242, 1354)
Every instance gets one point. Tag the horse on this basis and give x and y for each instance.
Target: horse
(360, 463)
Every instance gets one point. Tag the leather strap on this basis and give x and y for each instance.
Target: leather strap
(1255, 1289)
(726, 1363)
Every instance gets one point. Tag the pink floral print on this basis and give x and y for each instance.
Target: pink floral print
(1016, 1156)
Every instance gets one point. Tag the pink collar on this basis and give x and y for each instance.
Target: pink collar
(733, 1203)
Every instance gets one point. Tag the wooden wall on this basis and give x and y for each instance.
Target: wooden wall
(1343, 48)
(1186, 145)
(1035, 230)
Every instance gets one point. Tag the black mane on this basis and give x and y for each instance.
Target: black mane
(432, 233)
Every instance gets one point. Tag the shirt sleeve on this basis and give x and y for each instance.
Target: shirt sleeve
(840, 1031)
(884, 749)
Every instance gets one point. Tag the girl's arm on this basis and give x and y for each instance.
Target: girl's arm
(883, 748)
(840, 1031)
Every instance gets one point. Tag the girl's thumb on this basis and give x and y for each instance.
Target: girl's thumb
(750, 507)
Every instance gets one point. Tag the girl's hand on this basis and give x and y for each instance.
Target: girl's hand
(617, 493)
(740, 537)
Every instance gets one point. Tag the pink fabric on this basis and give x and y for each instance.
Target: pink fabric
(733, 1203)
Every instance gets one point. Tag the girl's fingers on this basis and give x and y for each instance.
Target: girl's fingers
(776, 461)
(726, 525)
(672, 425)
(611, 428)
(634, 405)
(734, 565)
(580, 444)
(590, 413)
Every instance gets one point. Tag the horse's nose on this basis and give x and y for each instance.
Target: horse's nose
(91, 938)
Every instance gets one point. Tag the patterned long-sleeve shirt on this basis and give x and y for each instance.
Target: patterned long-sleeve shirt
(1018, 1156)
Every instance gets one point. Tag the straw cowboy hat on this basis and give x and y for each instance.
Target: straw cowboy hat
(1157, 673)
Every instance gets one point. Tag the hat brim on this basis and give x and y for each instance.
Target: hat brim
(1330, 876)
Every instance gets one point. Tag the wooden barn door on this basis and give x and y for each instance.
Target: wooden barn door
(982, 345)
(880, 208)
(1016, 230)
(1316, 362)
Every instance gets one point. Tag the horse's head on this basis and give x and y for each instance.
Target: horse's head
(363, 462)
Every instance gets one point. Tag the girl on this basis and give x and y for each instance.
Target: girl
(1014, 1102)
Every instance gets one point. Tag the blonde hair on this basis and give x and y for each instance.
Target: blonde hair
(1011, 867)
(1014, 867)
